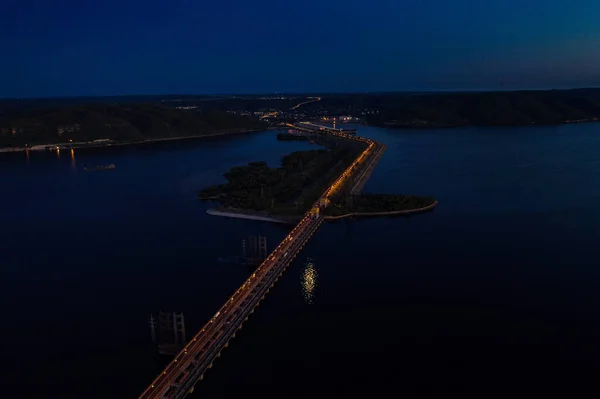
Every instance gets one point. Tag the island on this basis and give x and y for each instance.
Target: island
(285, 193)
(288, 191)
(109, 124)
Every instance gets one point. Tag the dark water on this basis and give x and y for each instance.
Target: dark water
(495, 292)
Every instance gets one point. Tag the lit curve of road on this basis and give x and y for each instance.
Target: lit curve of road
(305, 102)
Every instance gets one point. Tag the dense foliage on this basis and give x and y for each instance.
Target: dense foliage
(377, 203)
(250, 103)
(289, 189)
(119, 122)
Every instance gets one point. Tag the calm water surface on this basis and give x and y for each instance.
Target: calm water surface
(495, 292)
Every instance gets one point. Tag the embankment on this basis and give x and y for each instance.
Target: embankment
(244, 214)
(387, 213)
(368, 170)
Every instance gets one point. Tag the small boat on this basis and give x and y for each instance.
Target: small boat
(100, 167)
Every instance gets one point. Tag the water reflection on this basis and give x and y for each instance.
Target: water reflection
(168, 332)
(57, 152)
(309, 281)
(73, 159)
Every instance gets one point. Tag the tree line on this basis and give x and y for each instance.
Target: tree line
(291, 188)
(118, 122)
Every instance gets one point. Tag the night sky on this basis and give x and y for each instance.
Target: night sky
(118, 47)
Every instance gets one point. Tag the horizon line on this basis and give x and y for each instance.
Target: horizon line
(294, 93)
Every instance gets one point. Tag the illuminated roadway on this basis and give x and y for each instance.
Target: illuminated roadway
(188, 367)
(305, 102)
(269, 115)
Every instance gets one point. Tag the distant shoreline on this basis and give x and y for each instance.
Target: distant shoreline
(81, 145)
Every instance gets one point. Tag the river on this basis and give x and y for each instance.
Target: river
(496, 290)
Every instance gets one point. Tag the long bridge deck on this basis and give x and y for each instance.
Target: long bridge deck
(178, 379)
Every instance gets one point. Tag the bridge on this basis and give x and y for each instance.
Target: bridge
(188, 367)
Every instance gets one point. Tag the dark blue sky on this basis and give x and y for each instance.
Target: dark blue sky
(112, 47)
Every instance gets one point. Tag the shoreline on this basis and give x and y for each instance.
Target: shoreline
(384, 213)
(250, 215)
(118, 144)
(291, 220)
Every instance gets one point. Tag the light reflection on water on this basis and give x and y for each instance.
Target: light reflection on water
(309, 281)
(73, 159)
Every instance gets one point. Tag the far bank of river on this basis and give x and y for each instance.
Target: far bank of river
(392, 125)
(109, 143)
